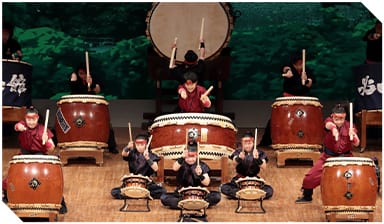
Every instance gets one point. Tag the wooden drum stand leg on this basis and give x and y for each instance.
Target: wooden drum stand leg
(65, 154)
(334, 217)
(50, 215)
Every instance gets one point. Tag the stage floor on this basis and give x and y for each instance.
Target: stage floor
(87, 189)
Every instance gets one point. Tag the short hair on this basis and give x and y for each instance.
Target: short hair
(190, 76)
(32, 110)
(248, 134)
(338, 109)
(190, 56)
(142, 136)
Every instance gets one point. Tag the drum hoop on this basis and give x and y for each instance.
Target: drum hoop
(193, 188)
(76, 98)
(135, 176)
(226, 9)
(348, 209)
(35, 158)
(193, 118)
(80, 145)
(238, 181)
(17, 62)
(175, 151)
(344, 161)
(312, 101)
(35, 207)
(297, 147)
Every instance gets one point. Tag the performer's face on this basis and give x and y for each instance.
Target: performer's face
(191, 159)
(32, 122)
(140, 146)
(338, 119)
(82, 74)
(190, 86)
(247, 144)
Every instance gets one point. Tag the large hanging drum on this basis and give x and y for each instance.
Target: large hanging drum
(17, 89)
(217, 134)
(166, 21)
(35, 182)
(82, 121)
(296, 123)
(349, 184)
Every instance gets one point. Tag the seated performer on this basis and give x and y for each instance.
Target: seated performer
(191, 95)
(140, 162)
(337, 143)
(31, 140)
(190, 174)
(249, 162)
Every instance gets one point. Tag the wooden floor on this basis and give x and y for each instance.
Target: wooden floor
(87, 190)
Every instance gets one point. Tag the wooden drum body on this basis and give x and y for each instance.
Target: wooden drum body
(296, 123)
(217, 134)
(82, 120)
(35, 182)
(184, 21)
(348, 184)
(193, 198)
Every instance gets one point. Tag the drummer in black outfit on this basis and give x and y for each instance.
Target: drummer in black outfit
(192, 63)
(249, 162)
(296, 83)
(11, 48)
(142, 163)
(189, 174)
(81, 84)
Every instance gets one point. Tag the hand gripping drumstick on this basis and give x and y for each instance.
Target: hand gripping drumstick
(350, 120)
(87, 66)
(46, 124)
(303, 60)
(173, 54)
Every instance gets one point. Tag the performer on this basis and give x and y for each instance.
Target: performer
(11, 47)
(191, 95)
(337, 143)
(373, 37)
(249, 161)
(192, 62)
(140, 162)
(190, 174)
(79, 85)
(79, 82)
(31, 140)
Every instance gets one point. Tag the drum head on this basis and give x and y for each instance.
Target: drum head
(250, 194)
(166, 21)
(193, 204)
(135, 192)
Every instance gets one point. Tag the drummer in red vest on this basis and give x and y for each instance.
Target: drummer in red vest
(337, 142)
(192, 97)
(33, 141)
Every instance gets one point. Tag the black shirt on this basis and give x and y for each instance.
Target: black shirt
(10, 48)
(138, 164)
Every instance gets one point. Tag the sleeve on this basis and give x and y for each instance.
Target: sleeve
(204, 167)
(263, 155)
(154, 157)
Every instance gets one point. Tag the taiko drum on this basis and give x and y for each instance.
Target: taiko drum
(35, 180)
(296, 122)
(348, 181)
(82, 120)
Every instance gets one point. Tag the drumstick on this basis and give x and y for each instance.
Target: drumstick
(149, 142)
(87, 66)
(173, 54)
(130, 131)
(46, 124)
(303, 60)
(255, 143)
(198, 160)
(350, 120)
(201, 30)
(208, 91)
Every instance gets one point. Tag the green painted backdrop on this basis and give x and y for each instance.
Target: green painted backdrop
(54, 37)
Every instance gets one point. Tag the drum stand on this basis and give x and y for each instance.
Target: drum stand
(250, 196)
(125, 206)
(192, 215)
(296, 154)
(334, 217)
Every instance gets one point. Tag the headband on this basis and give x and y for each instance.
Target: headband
(247, 139)
(141, 141)
(338, 115)
(32, 115)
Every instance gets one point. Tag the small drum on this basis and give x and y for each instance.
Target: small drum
(296, 123)
(35, 182)
(17, 89)
(135, 186)
(82, 121)
(184, 21)
(349, 184)
(217, 134)
(193, 198)
(250, 188)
